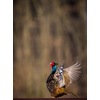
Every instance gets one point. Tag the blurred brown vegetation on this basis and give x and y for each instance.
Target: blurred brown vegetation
(45, 31)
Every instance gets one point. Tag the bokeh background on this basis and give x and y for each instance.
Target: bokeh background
(45, 31)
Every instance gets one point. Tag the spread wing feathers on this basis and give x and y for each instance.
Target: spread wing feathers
(73, 72)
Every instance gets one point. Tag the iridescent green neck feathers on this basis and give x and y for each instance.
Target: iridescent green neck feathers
(53, 69)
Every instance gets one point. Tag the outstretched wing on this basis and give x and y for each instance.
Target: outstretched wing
(73, 72)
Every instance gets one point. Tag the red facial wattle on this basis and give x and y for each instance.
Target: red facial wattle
(52, 64)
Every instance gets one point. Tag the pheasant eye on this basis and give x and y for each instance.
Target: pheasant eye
(53, 63)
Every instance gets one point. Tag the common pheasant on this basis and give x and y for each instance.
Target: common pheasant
(60, 78)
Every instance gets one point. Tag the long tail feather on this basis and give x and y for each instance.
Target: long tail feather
(71, 93)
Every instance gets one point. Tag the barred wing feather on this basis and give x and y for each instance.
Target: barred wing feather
(73, 72)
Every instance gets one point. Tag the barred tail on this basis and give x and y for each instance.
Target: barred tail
(71, 93)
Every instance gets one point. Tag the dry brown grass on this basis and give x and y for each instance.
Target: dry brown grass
(45, 31)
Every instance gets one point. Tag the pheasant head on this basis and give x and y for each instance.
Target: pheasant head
(53, 65)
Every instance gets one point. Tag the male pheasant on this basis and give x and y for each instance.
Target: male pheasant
(60, 79)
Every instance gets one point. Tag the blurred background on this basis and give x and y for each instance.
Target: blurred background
(46, 31)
